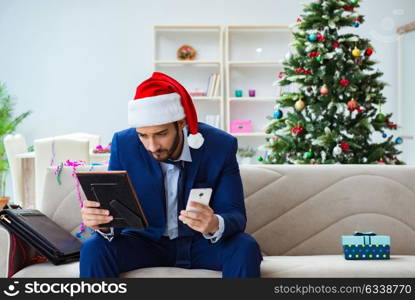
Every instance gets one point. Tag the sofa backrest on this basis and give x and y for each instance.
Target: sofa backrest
(305, 209)
(296, 209)
(61, 201)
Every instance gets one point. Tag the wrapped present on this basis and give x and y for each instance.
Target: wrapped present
(366, 245)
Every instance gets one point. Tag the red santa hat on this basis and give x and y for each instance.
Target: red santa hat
(161, 100)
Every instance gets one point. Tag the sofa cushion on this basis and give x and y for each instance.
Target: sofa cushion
(336, 266)
(271, 267)
(49, 270)
(71, 270)
(164, 272)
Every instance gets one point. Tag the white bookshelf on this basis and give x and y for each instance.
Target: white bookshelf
(251, 134)
(246, 57)
(253, 60)
(193, 74)
(179, 63)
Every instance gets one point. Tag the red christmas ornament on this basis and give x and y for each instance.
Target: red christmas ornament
(324, 90)
(314, 54)
(352, 105)
(297, 130)
(359, 110)
(303, 71)
(320, 37)
(349, 7)
(391, 124)
(335, 45)
(369, 52)
(280, 75)
(345, 146)
(344, 82)
(298, 20)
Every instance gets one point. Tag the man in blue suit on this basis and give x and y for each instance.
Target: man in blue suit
(166, 154)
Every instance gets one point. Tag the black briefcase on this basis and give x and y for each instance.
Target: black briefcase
(43, 234)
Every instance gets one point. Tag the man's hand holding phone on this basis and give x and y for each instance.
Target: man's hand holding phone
(198, 214)
(93, 216)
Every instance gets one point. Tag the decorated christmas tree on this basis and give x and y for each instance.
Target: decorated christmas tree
(335, 111)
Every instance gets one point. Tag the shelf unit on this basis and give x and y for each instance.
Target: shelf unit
(193, 74)
(253, 59)
(246, 57)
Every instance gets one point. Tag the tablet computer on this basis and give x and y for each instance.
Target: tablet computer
(114, 191)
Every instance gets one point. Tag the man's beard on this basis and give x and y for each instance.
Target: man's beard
(173, 147)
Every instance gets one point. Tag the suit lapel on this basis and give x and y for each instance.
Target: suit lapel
(148, 181)
(191, 169)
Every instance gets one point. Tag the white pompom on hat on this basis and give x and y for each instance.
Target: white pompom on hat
(161, 100)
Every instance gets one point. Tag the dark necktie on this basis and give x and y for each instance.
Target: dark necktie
(184, 239)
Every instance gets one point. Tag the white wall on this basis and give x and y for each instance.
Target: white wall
(76, 63)
(408, 96)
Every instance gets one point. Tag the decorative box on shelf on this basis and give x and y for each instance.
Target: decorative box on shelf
(366, 245)
(241, 126)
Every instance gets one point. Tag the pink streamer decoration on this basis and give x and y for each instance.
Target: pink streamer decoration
(74, 165)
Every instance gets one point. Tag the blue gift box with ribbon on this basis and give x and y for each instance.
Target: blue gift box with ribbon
(366, 245)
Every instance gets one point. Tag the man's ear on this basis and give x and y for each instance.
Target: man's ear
(181, 124)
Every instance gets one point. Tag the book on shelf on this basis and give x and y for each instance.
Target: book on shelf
(213, 85)
(210, 83)
(216, 86)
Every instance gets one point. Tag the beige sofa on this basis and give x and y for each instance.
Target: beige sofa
(297, 213)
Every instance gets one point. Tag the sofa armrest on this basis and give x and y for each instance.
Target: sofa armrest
(15, 254)
(4, 252)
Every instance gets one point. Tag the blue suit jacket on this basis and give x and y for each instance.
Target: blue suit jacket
(213, 165)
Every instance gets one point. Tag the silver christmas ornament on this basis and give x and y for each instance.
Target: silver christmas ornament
(323, 155)
(337, 151)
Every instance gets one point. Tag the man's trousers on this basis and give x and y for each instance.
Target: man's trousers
(238, 255)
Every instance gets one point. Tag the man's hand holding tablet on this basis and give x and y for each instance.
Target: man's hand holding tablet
(93, 215)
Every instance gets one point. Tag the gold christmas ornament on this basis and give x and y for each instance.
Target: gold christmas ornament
(186, 52)
(356, 52)
(299, 105)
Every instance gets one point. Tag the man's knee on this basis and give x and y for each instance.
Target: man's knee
(246, 245)
(94, 247)
(98, 258)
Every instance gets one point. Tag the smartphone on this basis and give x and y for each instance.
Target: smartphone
(200, 196)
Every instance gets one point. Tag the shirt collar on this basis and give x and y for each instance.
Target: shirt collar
(185, 156)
